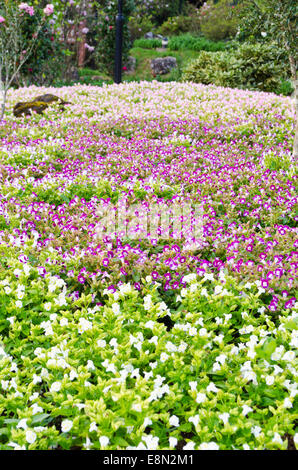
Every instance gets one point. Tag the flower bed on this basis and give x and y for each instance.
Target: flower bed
(142, 340)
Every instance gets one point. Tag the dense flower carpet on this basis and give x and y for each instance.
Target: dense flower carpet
(137, 336)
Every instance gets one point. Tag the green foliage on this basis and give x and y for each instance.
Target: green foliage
(179, 24)
(187, 41)
(219, 20)
(138, 26)
(277, 161)
(45, 64)
(106, 37)
(251, 66)
(147, 43)
(160, 10)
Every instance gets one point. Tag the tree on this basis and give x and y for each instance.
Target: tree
(14, 49)
(277, 19)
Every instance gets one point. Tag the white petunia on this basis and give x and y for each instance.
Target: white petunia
(55, 387)
(66, 425)
(209, 446)
(174, 421)
(104, 441)
(30, 436)
(201, 397)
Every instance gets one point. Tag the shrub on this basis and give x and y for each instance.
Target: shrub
(187, 41)
(176, 25)
(147, 43)
(139, 26)
(252, 66)
(220, 20)
(106, 37)
(207, 69)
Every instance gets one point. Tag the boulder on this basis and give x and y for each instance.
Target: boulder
(163, 65)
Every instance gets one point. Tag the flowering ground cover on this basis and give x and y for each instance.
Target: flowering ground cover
(142, 338)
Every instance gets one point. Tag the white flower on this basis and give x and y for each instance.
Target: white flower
(90, 365)
(174, 421)
(173, 441)
(66, 425)
(150, 324)
(208, 446)
(193, 385)
(22, 424)
(289, 356)
(203, 332)
(93, 426)
(19, 304)
(36, 409)
(224, 417)
(192, 331)
(55, 387)
(137, 407)
(164, 357)
(189, 446)
(30, 436)
(104, 441)
(47, 306)
(201, 397)
(269, 380)
(287, 403)
(256, 431)
(84, 325)
(246, 409)
(277, 438)
(194, 419)
(101, 343)
(116, 308)
(151, 442)
(73, 375)
(212, 388)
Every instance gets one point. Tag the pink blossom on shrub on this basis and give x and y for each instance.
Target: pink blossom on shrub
(27, 8)
(2, 20)
(49, 9)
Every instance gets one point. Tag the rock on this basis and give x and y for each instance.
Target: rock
(163, 65)
(149, 35)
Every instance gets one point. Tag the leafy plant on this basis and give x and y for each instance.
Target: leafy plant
(193, 43)
(147, 43)
(251, 66)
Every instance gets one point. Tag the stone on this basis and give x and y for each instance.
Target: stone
(163, 65)
(149, 35)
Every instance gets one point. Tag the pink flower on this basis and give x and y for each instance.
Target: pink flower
(2, 20)
(27, 8)
(49, 9)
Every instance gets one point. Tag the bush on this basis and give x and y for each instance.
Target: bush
(187, 41)
(46, 61)
(219, 21)
(139, 26)
(251, 66)
(147, 43)
(106, 37)
(176, 25)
